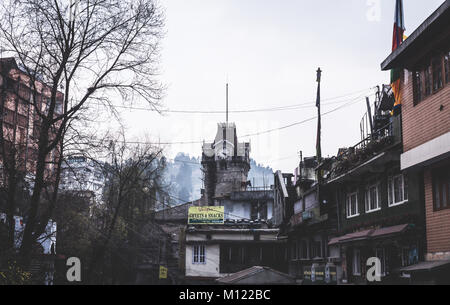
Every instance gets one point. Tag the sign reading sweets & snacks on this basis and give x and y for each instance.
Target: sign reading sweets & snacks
(206, 215)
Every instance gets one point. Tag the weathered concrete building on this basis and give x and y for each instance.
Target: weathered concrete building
(247, 237)
(226, 163)
(312, 219)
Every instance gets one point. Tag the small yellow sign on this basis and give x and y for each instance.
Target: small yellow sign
(206, 215)
(162, 272)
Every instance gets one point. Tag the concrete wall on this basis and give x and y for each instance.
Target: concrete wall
(232, 178)
(237, 210)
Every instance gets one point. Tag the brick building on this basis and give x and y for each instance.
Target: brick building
(20, 108)
(424, 58)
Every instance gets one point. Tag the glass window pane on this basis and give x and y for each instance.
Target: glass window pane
(396, 190)
(417, 87)
(437, 201)
(444, 195)
(436, 65)
(405, 187)
(373, 197)
(447, 67)
(427, 75)
(390, 191)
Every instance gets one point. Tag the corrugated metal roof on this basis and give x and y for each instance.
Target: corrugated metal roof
(232, 278)
(426, 266)
(366, 234)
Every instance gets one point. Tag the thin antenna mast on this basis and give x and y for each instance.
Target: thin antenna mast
(227, 103)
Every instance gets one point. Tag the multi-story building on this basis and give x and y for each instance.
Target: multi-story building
(308, 224)
(23, 104)
(284, 197)
(246, 238)
(379, 210)
(424, 58)
(20, 106)
(81, 175)
(225, 163)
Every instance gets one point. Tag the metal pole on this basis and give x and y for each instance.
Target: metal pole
(227, 103)
(370, 116)
(318, 144)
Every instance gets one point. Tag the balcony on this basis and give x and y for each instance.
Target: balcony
(311, 216)
(370, 148)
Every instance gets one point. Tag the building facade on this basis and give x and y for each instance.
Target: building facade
(21, 107)
(311, 223)
(424, 59)
(81, 175)
(379, 207)
(247, 236)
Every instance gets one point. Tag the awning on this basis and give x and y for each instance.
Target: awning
(425, 266)
(369, 234)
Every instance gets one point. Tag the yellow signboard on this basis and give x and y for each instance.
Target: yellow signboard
(206, 215)
(162, 272)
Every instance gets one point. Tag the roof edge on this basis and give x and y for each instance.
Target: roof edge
(387, 63)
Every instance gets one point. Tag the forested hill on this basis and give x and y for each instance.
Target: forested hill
(184, 177)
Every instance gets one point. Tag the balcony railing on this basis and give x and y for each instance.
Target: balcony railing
(375, 143)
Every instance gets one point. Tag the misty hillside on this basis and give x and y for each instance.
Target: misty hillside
(184, 177)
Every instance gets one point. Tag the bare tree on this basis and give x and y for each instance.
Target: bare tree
(93, 51)
(134, 181)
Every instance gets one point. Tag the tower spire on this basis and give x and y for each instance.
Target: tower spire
(227, 102)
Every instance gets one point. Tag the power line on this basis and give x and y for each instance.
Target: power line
(303, 121)
(353, 101)
(270, 109)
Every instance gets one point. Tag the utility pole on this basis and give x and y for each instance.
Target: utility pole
(300, 164)
(318, 144)
(369, 113)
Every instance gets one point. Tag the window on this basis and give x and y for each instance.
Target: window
(304, 249)
(199, 254)
(427, 78)
(436, 65)
(410, 255)
(316, 248)
(356, 262)
(294, 250)
(59, 107)
(352, 205)
(397, 190)
(417, 87)
(447, 67)
(372, 198)
(441, 189)
(379, 252)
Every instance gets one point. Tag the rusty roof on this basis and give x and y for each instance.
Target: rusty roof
(368, 234)
(232, 278)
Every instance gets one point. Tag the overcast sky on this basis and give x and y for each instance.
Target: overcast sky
(269, 51)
